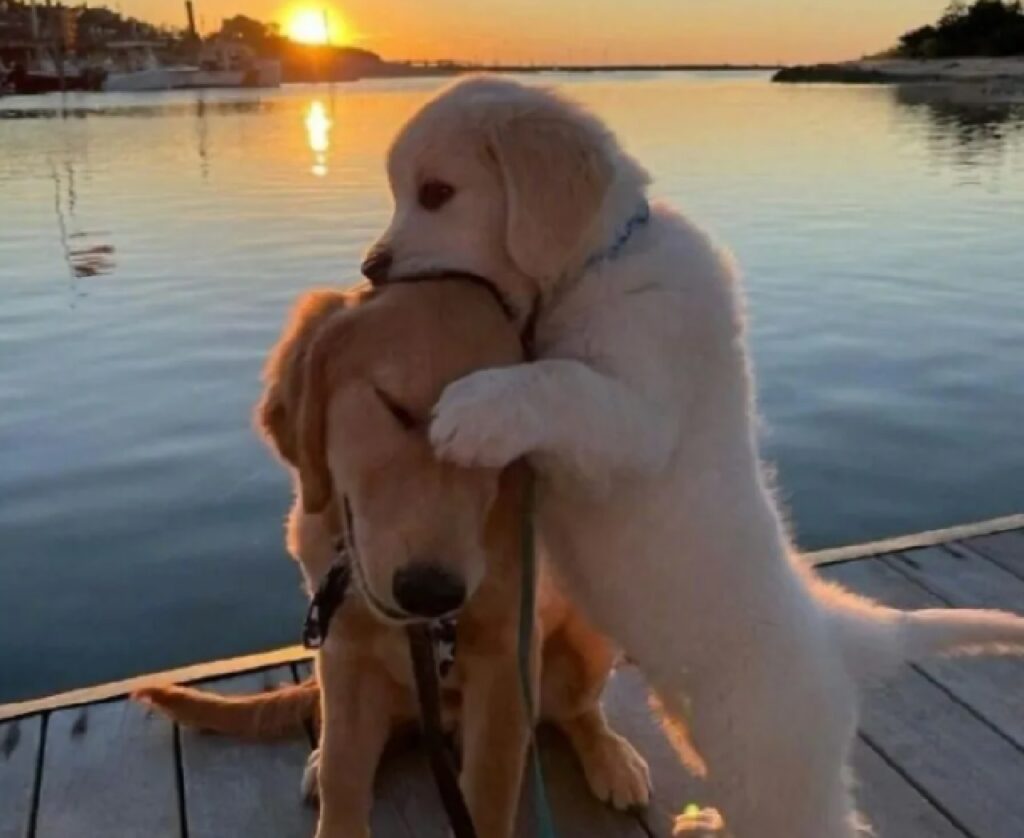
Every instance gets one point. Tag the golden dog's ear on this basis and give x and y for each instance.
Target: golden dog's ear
(291, 411)
(556, 171)
(311, 415)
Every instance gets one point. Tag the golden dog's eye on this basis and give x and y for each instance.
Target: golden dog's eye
(434, 194)
(402, 416)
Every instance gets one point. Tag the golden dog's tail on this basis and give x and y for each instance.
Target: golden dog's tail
(275, 714)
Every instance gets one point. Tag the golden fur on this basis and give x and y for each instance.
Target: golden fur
(341, 361)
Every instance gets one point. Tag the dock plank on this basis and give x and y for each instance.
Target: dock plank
(960, 578)
(954, 757)
(404, 784)
(20, 741)
(959, 760)
(1005, 549)
(893, 807)
(234, 787)
(991, 686)
(108, 769)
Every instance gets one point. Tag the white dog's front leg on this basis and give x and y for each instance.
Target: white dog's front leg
(588, 420)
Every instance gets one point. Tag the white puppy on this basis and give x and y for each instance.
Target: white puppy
(639, 416)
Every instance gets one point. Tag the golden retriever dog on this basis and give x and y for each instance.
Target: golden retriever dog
(349, 391)
(640, 419)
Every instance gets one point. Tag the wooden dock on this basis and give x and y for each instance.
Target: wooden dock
(940, 753)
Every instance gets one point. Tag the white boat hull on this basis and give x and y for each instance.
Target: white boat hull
(154, 78)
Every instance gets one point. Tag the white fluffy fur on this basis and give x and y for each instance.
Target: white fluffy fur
(640, 418)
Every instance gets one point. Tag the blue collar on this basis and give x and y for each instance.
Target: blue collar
(612, 251)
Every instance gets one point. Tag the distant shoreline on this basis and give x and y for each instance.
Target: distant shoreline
(400, 69)
(989, 78)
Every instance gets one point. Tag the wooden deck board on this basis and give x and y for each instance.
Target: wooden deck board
(990, 686)
(951, 753)
(941, 753)
(20, 741)
(1005, 549)
(894, 807)
(108, 769)
(960, 578)
(233, 787)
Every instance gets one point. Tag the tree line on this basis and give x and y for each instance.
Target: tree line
(983, 28)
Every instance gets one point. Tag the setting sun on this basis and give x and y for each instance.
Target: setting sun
(308, 26)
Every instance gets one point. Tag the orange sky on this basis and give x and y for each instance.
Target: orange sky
(579, 31)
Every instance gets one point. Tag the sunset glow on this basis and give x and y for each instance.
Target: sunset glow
(511, 31)
(308, 25)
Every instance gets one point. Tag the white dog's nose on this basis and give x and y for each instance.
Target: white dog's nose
(377, 265)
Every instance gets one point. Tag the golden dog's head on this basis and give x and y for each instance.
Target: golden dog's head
(506, 181)
(349, 390)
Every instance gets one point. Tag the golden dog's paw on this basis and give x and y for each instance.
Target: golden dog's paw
(616, 773)
(311, 778)
(699, 823)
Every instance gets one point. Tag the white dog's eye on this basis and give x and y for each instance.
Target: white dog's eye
(434, 194)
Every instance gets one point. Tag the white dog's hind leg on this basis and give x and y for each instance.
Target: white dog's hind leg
(775, 756)
(760, 802)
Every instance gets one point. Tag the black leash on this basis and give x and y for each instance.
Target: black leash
(442, 763)
(425, 641)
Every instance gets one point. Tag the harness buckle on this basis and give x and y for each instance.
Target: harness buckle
(329, 595)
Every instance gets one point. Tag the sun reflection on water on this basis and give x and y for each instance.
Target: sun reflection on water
(318, 135)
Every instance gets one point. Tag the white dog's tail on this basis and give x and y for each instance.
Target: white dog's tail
(877, 640)
(961, 631)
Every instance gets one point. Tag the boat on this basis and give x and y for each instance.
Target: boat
(134, 66)
(227, 64)
(42, 74)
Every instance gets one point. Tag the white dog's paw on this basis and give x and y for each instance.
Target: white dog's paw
(617, 774)
(699, 823)
(311, 778)
(478, 420)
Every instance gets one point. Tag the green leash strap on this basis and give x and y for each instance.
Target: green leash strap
(527, 614)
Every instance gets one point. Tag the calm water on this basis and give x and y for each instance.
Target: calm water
(150, 245)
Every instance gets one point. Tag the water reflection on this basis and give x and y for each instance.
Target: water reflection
(965, 125)
(83, 254)
(86, 106)
(318, 134)
(202, 138)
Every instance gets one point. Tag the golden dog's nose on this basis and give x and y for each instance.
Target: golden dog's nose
(376, 265)
(427, 590)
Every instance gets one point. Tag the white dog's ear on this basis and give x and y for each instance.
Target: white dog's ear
(556, 173)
